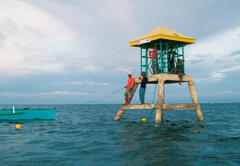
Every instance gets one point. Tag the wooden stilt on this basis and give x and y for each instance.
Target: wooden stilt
(121, 110)
(161, 80)
(119, 114)
(160, 102)
(193, 93)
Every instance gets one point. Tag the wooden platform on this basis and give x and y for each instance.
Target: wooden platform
(164, 106)
(167, 78)
(161, 80)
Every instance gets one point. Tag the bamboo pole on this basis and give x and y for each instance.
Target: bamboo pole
(193, 93)
(160, 102)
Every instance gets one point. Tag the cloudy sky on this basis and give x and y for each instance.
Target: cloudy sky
(76, 51)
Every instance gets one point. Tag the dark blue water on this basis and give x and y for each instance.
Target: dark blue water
(88, 135)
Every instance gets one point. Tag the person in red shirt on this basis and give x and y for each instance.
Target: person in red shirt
(129, 89)
(154, 61)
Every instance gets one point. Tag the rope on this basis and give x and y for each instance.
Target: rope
(99, 98)
(153, 98)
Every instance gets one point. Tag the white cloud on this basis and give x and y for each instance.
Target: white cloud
(30, 39)
(217, 76)
(124, 69)
(82, 38)
(220, 93)
(52, 37)
(216, 56)
(54, 93)
(90, 83)
(64, 93)
(91, 68)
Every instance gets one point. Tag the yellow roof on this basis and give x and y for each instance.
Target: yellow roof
(162, 33)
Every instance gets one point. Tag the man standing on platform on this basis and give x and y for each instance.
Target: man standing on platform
(129, 89)
(143, 87)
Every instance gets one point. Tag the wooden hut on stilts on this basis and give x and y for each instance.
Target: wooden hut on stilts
(156, 49)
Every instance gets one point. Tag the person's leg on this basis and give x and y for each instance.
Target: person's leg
(126, 97)
(130, 95)
(180, 79)
(141, 95)
(126, 100)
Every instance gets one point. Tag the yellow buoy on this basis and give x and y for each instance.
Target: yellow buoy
(18, 126)
(144, 120)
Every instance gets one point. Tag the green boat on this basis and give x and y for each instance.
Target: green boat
(26, 114)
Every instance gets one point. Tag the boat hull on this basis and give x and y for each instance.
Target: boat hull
(27, 114)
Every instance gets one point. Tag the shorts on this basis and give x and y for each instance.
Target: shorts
(180, 74)
(128, 92)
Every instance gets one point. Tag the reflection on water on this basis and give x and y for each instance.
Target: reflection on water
(169, 143)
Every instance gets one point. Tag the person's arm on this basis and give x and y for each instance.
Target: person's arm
(172, 70)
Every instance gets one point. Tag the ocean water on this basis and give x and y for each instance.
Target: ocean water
(88, 135)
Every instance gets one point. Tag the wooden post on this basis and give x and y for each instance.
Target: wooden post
(121, 111)
(193, 93)
(134, 90)
(119, 114)
(161, 80)
(160, 102)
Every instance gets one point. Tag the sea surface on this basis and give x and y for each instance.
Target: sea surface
(87, 135)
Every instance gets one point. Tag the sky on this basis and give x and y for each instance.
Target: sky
(77, 51)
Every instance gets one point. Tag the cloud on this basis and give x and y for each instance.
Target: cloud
(90, 83)
(91, 68)
(65, 93)
(55, 42)
(30, 39)
(217, 76)
(40, 94)
(60, 37)
(221, 94)
(217, 56)
(125, 70)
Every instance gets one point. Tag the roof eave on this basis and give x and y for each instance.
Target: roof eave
(135, 43)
